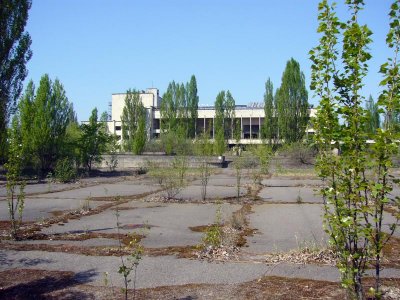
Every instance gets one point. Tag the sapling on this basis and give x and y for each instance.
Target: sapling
(15, 186)
(358, 181)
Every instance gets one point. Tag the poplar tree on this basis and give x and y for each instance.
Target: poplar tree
(373, 119)
(292, 103)
(14, 54)
(193, 105)
(133, 119)
(269, 128)
(229, 115)
(44, 119)
(219, 138)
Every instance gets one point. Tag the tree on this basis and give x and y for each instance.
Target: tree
(373, 121)
(193, 105)
(229, 115)
(15, 199)
(134, 133)
(292, 103)
(14, 54)
(168, 109)
(359, 181)
(93, 141)
(44, 116)
(269, 128)
(179, 109)
(219, 138)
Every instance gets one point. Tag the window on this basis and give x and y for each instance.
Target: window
(117, 127)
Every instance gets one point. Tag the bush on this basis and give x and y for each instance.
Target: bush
(65, 170)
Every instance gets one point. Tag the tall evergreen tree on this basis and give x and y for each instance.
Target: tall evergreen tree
(133, 123)
(14, 54)
(193, 105)
(292, 103)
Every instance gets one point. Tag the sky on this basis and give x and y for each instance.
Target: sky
(100, 47)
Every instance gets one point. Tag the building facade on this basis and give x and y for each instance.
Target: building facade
(250, 118)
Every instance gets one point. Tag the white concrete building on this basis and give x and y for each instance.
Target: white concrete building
(250, 118)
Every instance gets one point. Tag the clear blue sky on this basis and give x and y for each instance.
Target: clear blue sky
(100, 47)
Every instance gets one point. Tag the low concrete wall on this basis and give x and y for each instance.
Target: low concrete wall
(127, 160)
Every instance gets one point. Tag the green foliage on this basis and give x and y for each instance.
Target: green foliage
(263, 153)
(93, 141)
(134, 133)
(193, 105)
(203, 149)
(269, 130)
(238, 164)
(359, 181)
(15, 196)
(131, 263)
(291, 103)
(213, 235)
(15, 52)
(45, 117)
(172, 177)
(113, 148)
(65, 170)
(372, 114)
(219, 121)
(179, 109)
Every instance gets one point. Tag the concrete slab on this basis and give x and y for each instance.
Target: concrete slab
(40, 208)
(193, 193)
(169, 223)
(166, 270)
(290, 194)
(105, 190)
(285, 227)
(285, 182)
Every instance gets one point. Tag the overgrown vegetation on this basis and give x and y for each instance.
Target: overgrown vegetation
(131, 263)
(359, 180)
(15, 186)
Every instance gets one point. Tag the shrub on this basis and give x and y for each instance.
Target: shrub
(65, 170)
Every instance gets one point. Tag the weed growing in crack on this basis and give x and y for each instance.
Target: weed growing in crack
(213, 235)
(131, 263)
(299, 199)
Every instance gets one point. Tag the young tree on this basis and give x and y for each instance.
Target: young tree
(14, 166)
(269, 128)
(219, 139)
(93, 141)
(134, 133)
(193, 105)
(359, 183)
(14, 54)
(292, 103)
(373, 121)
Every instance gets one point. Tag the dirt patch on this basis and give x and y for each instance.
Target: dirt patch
(40, 284)
(203, 228)
(6, 225)
(391, 253)
(178, 251)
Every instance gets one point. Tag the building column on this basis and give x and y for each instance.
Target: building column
(213, 128)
